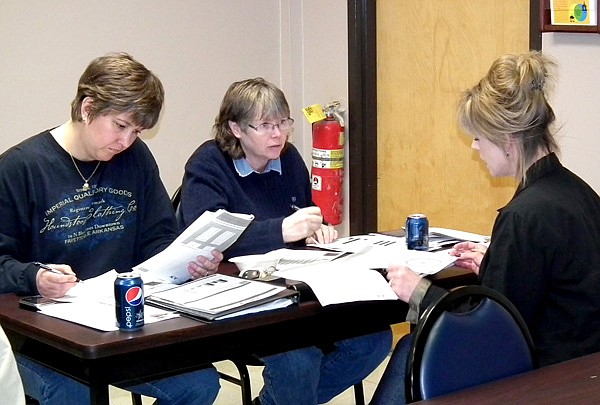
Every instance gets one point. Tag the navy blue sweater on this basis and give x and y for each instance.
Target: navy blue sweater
(123, 219)
(211, 183)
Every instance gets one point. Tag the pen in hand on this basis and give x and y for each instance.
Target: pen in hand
(295, 208)
(53, 270)
(381, 270)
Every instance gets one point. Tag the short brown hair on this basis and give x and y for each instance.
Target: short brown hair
(243, 102)
(117, 83)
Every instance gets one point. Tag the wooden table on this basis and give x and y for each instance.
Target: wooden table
(179, 345)
(575, 381)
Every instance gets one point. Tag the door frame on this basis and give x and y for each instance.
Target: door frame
(362, 105)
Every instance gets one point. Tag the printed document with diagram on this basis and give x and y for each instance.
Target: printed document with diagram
(219, 296)
(355, 276)
(212, 230)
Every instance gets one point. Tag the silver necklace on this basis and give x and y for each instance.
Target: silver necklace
(86, 184)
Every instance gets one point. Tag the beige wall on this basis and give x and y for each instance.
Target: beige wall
(196, 47)
(577, 101)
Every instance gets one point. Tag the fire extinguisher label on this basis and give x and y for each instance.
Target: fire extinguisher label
(314, 113)
(328, 164)
(328, 159)
(317, 183)
(327, 154)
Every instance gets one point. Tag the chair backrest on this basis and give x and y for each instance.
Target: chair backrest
(455, 348)
(176, 198)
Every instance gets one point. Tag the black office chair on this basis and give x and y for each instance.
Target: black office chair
(455, 348)
(176, 199)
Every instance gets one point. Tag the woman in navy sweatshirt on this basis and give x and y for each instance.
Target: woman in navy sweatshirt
(251, 168)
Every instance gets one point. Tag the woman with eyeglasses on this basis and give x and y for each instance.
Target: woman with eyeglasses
(250, 167)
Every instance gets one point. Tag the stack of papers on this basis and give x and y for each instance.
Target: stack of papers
(340, 272)
(352, 276)
(341, 281)
(220, 296)
(92, 303)
(443, 238)
(439, 238)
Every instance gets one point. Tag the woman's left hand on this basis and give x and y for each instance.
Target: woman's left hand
(203, 267)
(402, 280)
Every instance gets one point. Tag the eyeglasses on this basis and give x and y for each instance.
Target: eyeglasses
(266, 127)
(254, 274)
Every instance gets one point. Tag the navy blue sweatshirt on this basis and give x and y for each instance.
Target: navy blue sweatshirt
(123, 219)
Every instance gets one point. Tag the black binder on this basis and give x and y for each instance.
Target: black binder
(288, 296)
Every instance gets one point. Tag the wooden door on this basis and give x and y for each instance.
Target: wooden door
(427, 54)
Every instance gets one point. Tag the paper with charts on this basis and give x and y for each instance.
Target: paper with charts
(220, 296)
(212, 230)
(439, 239)
(352, 277)
(379, 251)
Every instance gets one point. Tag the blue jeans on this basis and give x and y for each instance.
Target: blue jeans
(391, 388)
(310, 376)
(50, 387)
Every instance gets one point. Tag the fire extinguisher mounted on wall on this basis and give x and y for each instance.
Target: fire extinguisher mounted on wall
(328, 163)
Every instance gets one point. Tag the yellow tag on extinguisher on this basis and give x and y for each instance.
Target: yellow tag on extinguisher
(314, 113)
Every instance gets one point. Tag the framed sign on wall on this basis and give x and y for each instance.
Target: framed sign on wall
(569, 16)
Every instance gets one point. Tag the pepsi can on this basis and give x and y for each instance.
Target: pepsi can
(129, 301)
(417, 232)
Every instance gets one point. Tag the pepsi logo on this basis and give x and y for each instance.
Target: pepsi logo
(134, 296)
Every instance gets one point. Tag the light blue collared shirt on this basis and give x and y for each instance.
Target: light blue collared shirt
(242, 167)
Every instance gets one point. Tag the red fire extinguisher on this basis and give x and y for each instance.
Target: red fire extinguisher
(328, 163)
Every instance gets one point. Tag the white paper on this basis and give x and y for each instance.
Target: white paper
(355, 244)
(290, 258)
(439, 238)
(421, 262)
(92, 303)
(341, 281)
(351, 277)
(210, 231)
(268, 306)
(462, 235)
(99, 315)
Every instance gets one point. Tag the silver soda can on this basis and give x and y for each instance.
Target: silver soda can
(417, 232)
(129, 301)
